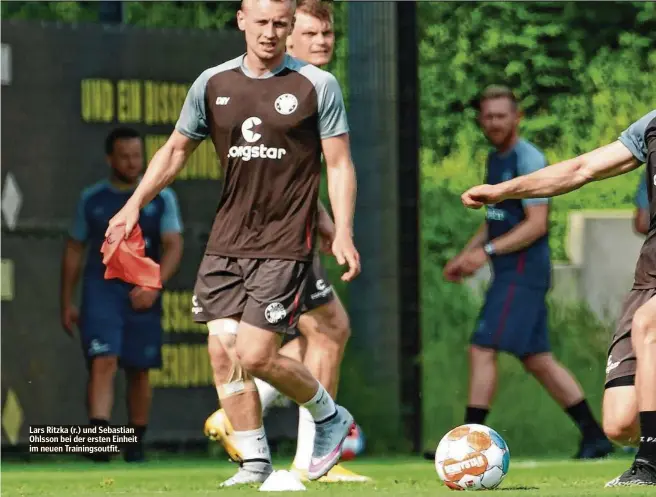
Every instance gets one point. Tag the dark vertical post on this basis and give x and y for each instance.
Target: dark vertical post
(409, 220)
(374, 295)
(110, 12)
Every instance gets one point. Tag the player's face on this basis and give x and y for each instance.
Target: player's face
(266, 25)
(312, 39)
(499, 119)
(127, 159)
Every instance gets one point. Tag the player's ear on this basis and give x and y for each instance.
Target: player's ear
(241, 20)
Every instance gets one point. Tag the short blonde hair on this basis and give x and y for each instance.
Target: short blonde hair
(316, 8)
(293, 2)
(497, 91)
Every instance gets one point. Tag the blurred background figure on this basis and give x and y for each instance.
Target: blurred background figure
(514, 240)
(641, 215)
(120, 324)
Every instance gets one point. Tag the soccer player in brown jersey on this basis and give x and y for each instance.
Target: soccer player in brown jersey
(324, 323)
(270, 117)
(629, 405)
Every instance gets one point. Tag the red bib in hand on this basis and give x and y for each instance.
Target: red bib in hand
(127, 261)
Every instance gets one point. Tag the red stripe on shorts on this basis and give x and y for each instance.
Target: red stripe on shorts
(297, 299)
(521, 262)
(504, 313)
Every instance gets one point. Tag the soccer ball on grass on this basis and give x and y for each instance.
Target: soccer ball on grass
(472, 457)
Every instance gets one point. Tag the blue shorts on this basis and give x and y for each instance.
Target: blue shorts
(109, 326)
(513, 320)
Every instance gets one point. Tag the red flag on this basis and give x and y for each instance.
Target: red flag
(127, 261)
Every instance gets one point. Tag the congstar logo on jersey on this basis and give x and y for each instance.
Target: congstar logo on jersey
(494, 214)
(249, 130)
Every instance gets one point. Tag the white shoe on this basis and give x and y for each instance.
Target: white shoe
(251, 473)
(328, 442)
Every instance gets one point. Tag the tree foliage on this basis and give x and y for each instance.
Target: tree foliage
(582, 75)
(540, 49)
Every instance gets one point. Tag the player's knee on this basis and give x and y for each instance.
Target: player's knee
(538, 365)
(643, 329)
(328, 329)
(219, 359)
(619, 427)
(341, 328)
(104, 366)
(255, 360)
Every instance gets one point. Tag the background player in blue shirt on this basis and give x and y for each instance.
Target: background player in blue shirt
(515, 240)
(641, 216)
(119, 323)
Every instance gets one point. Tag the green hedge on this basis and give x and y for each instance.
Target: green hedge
(579, 82)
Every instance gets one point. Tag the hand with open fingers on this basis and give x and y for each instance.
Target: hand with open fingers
(128, 217)
(481, 195)
(346, 253)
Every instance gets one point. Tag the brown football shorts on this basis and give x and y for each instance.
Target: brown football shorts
(318, 290)
(266, 293)
(621, 365)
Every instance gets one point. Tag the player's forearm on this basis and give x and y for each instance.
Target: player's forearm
(70, 274)
(604, 162)
(547, 182)
(342, 188)
(325, 223)
(479, 238)
(165, 165)
(171, 257)
(520, 237)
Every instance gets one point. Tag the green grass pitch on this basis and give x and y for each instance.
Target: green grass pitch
(181, 477)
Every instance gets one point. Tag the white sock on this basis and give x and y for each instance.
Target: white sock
(268, 394)
(321, 406)
(305, 441)
(252, 444)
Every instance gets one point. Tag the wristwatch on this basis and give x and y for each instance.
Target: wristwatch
(488, 248)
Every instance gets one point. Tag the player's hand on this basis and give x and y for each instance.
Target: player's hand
(457, 269)
(453, 271)
(481, 195)
(69, 318)
(143, 298)
(473, 260)
(128, 217)
(346, 253)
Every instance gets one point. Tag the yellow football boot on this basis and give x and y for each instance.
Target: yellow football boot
(219, 429)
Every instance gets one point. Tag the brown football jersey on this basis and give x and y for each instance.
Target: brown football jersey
(267, 133)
